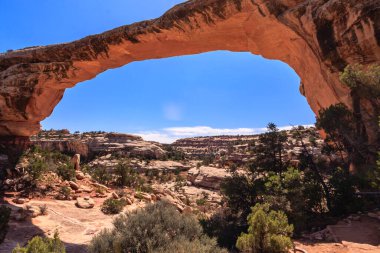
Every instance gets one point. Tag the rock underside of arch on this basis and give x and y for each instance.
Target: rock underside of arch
(317, 38)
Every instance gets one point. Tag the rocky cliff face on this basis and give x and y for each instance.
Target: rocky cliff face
(317, 38)
(92, 144)
(238, 148)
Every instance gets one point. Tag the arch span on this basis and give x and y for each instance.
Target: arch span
(317, 38)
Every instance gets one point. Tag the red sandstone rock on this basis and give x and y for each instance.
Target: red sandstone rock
(317, 38)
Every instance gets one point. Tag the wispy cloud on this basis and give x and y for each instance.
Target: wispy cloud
(171, 134)
(172, 112)
(209, 131)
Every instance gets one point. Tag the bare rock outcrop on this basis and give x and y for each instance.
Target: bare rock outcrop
(317, 38)
(207, 177)
(90, 144)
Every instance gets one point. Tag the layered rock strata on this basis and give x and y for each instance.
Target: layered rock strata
(317, 38)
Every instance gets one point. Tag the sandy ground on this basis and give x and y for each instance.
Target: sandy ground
(344, 247)
(77, 226)
(359, 237)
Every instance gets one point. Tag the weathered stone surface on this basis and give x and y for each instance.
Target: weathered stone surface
(20, 200)
(79, 175)
(85, 203)
(75, 161)
(317, 38)
(93, 143)
(207, 177)
(74, 185)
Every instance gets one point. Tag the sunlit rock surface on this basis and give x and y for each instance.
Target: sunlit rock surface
(317, 38)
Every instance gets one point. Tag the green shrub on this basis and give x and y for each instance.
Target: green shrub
(66, 171)
(268, 232)
(100, 174)
(42, 245)
(126, 176)
(208, 159)
(201, 202)
(65, 191)
(199, 245)
(362, 79)
(343, 197)
(36, 168)
(156, 228)
(113, 206)
(5, 214)
(225, 226)
(43, 209)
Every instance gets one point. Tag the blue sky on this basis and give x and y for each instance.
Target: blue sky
(207, 94)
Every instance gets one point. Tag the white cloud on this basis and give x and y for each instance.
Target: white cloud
(156, 136)
(209, 131)
(171, 134)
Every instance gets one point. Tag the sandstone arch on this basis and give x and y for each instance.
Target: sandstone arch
(317, 38)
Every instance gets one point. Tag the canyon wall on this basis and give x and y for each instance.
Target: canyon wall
(317, 38)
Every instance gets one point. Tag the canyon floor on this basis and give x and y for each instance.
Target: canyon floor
(77, 226)
(188, 184)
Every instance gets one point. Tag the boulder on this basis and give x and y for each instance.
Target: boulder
(128, 200)
(20, 201)
(143, 196)
(74, 185)
(86, 189)
(207, 177)
(33, 211)
(115, 195)
(76, 161)
(79, 175)
(85, 203)
(100, 186)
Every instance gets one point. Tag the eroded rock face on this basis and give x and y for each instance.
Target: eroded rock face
(207, 177)
(91, 144)
(317, 38)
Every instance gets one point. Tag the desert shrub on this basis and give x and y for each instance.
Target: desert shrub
(66, 171)
(240, 192)
(208, 159)
(295, 194)
(201, 202)
(364, 80)
(126, 176)
(225, 226)
(343, 190)
(100, 174)
(100, 190)
(198, 245)
(65, 191)
(152, 174)
(269, 151)
(144, 187)
(5, 214)
(43, 209)
(173, 153)
(268, 232)
(42, 245)
(139, 195)
(149, 230)
(42, 161)
(373, 176)
(113, 206)
(36, 168)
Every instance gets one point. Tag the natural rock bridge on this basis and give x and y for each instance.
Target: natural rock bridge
(317, 38)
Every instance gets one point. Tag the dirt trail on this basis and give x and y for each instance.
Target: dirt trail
(76, 226)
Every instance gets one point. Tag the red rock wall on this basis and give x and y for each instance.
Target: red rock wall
(317, 38)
